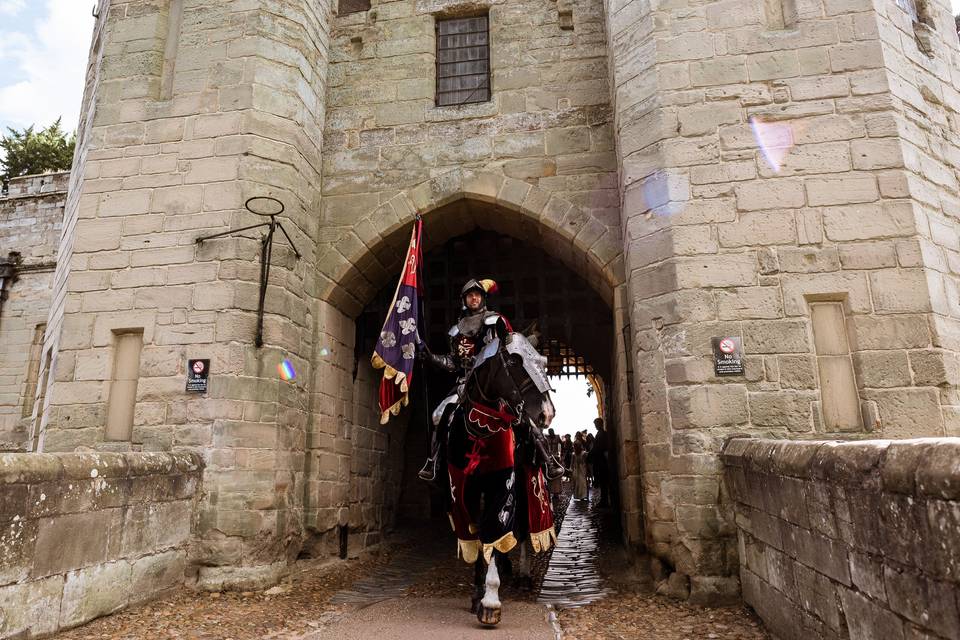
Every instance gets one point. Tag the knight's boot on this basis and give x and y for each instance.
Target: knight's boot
(551, 465)
(429, 470)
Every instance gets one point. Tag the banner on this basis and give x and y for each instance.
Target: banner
(397, 346)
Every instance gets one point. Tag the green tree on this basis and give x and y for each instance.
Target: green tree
(27, 152)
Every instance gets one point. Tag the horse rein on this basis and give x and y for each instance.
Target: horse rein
(519, 388)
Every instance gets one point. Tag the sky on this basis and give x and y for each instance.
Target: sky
(43, 56)
(575, 411)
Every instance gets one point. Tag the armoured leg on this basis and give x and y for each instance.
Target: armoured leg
(438, 436)
(551, 465)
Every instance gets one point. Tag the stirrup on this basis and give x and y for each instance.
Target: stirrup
(554, 469)
(429, 470)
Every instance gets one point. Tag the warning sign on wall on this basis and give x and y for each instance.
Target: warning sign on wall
(727, 356)
(198, 372)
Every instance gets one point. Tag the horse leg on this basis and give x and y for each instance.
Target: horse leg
(479, 574)
(489, 611)
(524, 579)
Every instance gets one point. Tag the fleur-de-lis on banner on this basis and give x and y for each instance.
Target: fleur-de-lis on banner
(408, 326)
(403, 304)
(388, 338)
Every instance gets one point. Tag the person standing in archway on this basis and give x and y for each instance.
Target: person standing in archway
(477, 328)
(566, 451)
(599, 457)
(581, 487)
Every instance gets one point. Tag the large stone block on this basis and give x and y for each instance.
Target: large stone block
(708, 406)
(95, 591)
(26, 609)
(73, 541)
(866, 620)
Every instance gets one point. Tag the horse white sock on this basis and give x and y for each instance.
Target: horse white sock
(491, 595)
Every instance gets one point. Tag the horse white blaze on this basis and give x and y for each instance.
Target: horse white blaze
(491, 594)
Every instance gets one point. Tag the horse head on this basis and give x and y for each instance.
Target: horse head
(517, 374)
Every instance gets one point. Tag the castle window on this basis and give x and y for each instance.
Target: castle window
(463, 61)
(122, 401)
(910, 6)
(923, 24)
(352, 6)
(839, 396)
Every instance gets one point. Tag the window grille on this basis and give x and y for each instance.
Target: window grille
(463, 61)
(910, 6)
(352, 6)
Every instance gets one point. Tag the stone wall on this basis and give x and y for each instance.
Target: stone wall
(31, 217)
(191, 109)
(354, 464)
(83, 535)
(920, 59)
(547, 123)
(857, 540)
(721, 240)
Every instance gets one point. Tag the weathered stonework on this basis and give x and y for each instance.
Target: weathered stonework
(31, 214)
(718, 242)
(848, 540)
(618, 139)
(83, 535)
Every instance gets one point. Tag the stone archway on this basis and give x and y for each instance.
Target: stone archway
(342, 479)
(355, 259)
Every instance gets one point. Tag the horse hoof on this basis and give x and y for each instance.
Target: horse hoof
(488, 615)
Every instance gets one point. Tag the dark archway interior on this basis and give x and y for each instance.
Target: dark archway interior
(535, 290)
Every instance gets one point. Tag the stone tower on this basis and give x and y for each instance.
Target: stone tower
(621, 137)
(834, 267)
(192, 108)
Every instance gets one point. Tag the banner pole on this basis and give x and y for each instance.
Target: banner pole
(423, 365)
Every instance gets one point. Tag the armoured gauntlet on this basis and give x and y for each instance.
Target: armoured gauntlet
(444, 363)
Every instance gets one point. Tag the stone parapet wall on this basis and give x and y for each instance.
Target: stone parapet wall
(83, 534)
(31, 221)
(856, 540)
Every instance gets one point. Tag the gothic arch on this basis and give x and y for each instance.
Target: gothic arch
(353, 264)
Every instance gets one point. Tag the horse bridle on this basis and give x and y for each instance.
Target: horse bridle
(520, 388)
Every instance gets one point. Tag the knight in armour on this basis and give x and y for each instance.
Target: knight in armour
(477, 335)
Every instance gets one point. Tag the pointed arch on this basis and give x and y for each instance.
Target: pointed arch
(355, 263)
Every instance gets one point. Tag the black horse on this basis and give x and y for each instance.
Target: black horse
(498, 495)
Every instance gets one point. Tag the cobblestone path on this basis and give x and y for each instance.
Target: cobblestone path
(391, 581)
(572, 578)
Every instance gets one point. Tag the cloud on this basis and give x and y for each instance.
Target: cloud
(44, 62)
(12, 7)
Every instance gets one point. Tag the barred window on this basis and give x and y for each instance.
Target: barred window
(352, 6)
(910, 6)
(463, 61)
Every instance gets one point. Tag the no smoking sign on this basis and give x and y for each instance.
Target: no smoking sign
(727, 356)
(198, 373)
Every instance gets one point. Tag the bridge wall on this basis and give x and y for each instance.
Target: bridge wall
(849, 540)
(83, 535)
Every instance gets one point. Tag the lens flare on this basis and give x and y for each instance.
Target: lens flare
(774, 140)
(665, 193)
(324, 352)
(286, 370)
